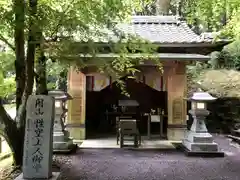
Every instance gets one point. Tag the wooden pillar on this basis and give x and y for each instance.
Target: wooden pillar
(76, 107)
(176, 83)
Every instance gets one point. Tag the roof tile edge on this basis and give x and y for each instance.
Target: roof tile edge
(156, 19)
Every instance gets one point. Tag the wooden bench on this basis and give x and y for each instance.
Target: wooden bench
(118, 125)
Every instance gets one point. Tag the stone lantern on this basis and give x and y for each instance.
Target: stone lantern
(61, 140)
(197, 140)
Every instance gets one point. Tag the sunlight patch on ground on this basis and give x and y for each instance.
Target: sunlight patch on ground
(6, 168)
(9, 106)
(228, 153)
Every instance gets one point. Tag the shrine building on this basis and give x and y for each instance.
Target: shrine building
(97, 98)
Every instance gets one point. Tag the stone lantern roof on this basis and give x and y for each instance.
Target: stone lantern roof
(60, 95)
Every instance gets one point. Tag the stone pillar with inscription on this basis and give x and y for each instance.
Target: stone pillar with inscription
(37, 157)
(176, 82)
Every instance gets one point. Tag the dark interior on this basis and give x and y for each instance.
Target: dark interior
(100, 119)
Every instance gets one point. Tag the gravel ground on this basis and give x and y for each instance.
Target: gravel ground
(60, 163)
(120, 164)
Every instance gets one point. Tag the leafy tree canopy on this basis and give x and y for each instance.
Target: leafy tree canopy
(63, 22)
(213, 15)
(36, 29)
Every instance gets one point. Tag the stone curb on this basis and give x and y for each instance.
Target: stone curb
(71, 149)
(132, 148)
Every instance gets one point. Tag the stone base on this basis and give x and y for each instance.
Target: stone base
(198, 137)
(71, 149)
(200, 144)
(60, 136)
(77, 133)
(200, 147)
(189, 153)
(62, 142)
(175, 134)
(55, 176)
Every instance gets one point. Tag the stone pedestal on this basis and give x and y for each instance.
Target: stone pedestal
(197, 140)
(54, 176)
(61, 140)
(62, 143)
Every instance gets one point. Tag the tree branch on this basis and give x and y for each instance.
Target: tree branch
(5, 120)
(60, 20)
(3, 39)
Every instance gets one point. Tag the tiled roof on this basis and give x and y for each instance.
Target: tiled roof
(162, 29)
(156, 29)
(162, 56)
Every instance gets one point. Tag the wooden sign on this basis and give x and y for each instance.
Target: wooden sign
(177, 109)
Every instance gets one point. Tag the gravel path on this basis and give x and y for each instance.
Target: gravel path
(120, 164)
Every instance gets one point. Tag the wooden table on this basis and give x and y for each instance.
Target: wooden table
(155, 118)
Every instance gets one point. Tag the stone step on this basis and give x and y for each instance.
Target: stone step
(60, 138)
(201, 147)
(62, 145)
(199, 137)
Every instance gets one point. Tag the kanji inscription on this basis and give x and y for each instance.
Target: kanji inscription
(177, 109)
(38, 137)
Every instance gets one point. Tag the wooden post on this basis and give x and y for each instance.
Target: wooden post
(76, 107)
(1, 144)
(176, 87)
(149, 126)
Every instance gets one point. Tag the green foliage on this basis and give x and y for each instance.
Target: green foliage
(55, 68)
(195, 70)
(7, 62)
(51, 86)
(7, 87)
(7, 81)
(65, 22)
(50, 26)
(228, 58)
(233, 51)
(232, 29)
(213, 15)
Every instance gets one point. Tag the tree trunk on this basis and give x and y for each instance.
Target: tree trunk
(162, 7)
(19, 9)
(179, 10)
(13, 135)
(18, 131)
(29, 72)
(41, 80)
(40, 76)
